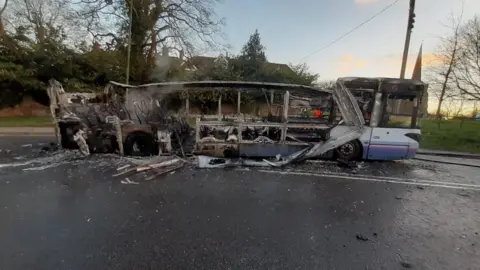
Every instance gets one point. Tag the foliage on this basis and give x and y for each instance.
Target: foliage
(252, 59)
(154, 23)
(250, 65)
(40, 41)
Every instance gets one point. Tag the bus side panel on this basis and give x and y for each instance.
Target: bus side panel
(388, 144)
(413, 144)
(365, 140)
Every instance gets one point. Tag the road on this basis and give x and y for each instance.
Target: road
(66, 212)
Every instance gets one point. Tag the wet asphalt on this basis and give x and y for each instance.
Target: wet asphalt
(68, 212)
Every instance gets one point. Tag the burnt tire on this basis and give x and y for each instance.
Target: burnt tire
(349, 151)
(140, 144)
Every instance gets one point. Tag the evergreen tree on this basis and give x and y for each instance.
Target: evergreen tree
(252, 58)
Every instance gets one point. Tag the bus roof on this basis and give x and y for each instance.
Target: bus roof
(388, 85)
(303, 90)
(223, 84)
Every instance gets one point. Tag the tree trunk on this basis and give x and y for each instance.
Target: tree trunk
(447, 75)
(2, 26)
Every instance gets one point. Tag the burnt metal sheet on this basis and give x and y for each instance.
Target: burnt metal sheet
(388, 85)
(222, 84)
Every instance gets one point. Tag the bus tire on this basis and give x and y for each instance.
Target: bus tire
(349, 151)
(140, 143)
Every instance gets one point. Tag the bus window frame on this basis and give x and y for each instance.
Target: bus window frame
(384, 117)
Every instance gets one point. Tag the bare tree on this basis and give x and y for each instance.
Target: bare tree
(458, 107)
(41, 19)
(441, 71)
(327, 84)
(2, 11)
(448, 108)
(182, 24)
(467, 71)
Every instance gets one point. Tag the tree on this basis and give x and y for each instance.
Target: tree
(2, 11)
(302, 75)
(154, 23)
(442, 69)
(41, 20)
(467, 71)
(252, 58)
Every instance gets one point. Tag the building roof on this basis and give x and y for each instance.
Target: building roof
(203, 62)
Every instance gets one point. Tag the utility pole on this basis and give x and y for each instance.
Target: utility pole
(411, 21)
(129, 43)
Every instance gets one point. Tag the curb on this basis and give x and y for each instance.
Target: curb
(457, 155)
(448, 162)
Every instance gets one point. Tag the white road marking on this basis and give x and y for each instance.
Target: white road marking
(397, 179)
(415, 182)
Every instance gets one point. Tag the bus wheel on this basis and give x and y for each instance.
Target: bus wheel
(140, 143)
(349, 151)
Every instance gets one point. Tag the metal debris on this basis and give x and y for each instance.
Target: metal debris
(123, 167)
(156, 166)
(165, 171)
(214, 162)
(127, 181)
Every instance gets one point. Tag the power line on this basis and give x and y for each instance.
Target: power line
(349, 32)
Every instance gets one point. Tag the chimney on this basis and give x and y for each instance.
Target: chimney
(165, 51)
(181, 55)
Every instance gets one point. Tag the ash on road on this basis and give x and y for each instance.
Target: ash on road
(74, 215)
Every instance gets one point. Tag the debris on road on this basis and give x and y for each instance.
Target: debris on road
(127, 181)
(346, 164)
(123, 167)
(406, 265)
(166, 170)
(361, 237)
(158, 165)
(214, 162)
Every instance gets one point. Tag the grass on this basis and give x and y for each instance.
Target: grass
(451, 135)
(34, 121)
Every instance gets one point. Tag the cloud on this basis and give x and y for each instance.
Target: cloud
(365, 2)
(391, 63)
(348, 64)
(428, 59)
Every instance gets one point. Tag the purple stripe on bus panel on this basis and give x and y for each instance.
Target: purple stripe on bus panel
(387, 152)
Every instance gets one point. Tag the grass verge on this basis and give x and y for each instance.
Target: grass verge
(451, 135)
(34, 121)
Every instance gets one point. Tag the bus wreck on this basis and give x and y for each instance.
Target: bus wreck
(137, 120)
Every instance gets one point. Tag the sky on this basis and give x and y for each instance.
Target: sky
(292, 31)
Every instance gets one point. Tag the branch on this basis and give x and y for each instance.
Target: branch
(4, 7)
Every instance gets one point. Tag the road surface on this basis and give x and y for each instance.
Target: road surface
(62, 211)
